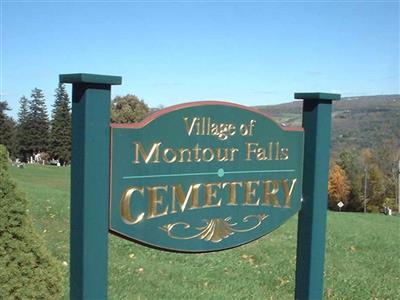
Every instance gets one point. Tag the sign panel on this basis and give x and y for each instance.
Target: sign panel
(203, 176)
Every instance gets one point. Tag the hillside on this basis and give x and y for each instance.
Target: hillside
(360, 122)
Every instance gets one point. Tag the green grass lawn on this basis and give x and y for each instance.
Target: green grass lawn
(362, 256)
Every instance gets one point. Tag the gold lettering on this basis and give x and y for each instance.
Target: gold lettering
(165, 155)
(211, 154)
(250, 149)
(196, 150)
(268, 194)
(232, 129)
(232, 191)
(155, 200)
(153, 156)
(214, 129)
(249, 192)
(270, 151)
(223, 157)
(261, 154)
(251, 126)
(161, 201)
(288, 191)
(233, 151)
(193, 193)
(277, 151)
(225, 131)
(284, 154)
(188, 157)
(125, 206)
(206, 126)
(189, 128)
(211, 194)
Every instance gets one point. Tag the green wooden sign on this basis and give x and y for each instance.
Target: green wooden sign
(203, 176)
(194, 178)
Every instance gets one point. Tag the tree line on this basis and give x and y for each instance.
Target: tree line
(365, 180)
(34, 132)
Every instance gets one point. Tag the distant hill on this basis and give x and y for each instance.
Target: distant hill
(358, 122)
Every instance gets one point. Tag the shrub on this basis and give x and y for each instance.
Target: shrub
(27, 269)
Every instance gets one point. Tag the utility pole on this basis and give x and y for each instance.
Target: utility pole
(365, 189)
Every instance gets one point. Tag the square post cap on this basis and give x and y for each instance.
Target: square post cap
(317, 96)
(90, 78)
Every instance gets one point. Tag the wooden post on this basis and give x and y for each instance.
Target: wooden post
(317, 109)
(91, 95)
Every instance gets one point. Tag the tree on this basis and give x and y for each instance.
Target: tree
(386, 158)
(60, 133)
(38, 124)
(128, 109)
(28, 271)
(376, 189)
(350, 162)
(7, 129)
(23, 128)
(338, 186)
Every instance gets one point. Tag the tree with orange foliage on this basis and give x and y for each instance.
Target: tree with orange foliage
(338, 186)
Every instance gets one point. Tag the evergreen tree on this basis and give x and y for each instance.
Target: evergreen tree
(38, 123)
(27, 270)
(23, 128)
(7, 130)
(60, 134)
(128, 109)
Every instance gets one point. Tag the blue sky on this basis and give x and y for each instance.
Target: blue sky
(168, 52)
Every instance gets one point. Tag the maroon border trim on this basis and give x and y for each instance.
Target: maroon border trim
(167, 110)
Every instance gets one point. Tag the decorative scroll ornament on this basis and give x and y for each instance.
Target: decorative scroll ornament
(215, 230)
